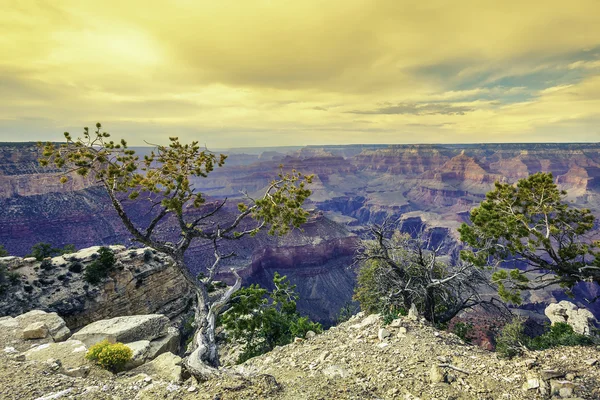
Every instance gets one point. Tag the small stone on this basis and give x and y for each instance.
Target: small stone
(383, 334)
(436, 374)
(561, 388)
(532, 382)
(396, 323)
(413, 313)
(530, 363)
(79, 372)
(192, 389)
(402, 331)
(35, 330)
(383, 345)
(590, 361)
(56, 395)
(171, 387)
(19, 357)
(298, 340)
(310, 335)
(548, 374)
(10, 350)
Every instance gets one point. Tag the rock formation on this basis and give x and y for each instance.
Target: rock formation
(581, 320)
(143, 281)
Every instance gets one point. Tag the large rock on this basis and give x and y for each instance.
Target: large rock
(167, 366)
(36, 330)
(55, 324)
(581, 320)
(168, 343)
(139, 355)
(124, 329)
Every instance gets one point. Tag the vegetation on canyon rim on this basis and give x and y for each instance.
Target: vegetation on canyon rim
(528, 225)
(164, 178)
(531, 225)
(262, 319)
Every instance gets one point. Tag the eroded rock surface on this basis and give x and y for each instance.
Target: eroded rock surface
(143, 281)
(581, 320)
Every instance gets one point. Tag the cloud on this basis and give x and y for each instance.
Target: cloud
(416, 109)
(467, 70)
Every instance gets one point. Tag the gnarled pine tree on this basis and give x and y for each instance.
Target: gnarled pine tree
(165, 177)
(531, 225)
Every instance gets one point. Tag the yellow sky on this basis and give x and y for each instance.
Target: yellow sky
(281, 72)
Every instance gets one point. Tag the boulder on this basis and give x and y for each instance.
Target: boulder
(140, 351)
(55, 324)
(581, 320)
(35, 330)
(371, 319)
(124, 329)
(168, 343)
(166, 366)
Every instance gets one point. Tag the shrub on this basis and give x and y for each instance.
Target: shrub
(110, 356)
(43, 250)
(463, 330)
(3, 251)
(148, 256)
(391, 313)
(14, 277)
(76, 267)
(512, 339)
(99, 269)
(262, 320)
(560, 334)
(347, 311)
(46, 265)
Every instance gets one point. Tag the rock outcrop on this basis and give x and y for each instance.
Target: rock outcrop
(581, 320)
(142, 282)
(124, 329)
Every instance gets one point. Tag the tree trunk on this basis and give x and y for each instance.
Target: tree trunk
(203, 360)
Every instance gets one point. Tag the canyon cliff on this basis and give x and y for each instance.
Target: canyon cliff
(430, 187)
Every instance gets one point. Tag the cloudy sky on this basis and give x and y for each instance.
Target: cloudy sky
(288, 72)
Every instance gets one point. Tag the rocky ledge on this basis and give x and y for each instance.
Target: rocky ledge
(359, 359)
(142, 281)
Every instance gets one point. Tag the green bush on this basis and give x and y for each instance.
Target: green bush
(463, 330)
(261, 320)
(512, 339)
(46, 265)
(560, 334)
(76, 267)
(391, 313)
(347, 311)
(100, 268)
(3, 251)
(110, 356)
(14, 277)
(44, 250)
(148, 256)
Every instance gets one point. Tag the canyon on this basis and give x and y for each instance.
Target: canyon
(425, 187)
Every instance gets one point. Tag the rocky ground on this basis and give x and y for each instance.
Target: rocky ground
(360, 359)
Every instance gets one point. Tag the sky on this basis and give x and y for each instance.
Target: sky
(287, 72)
